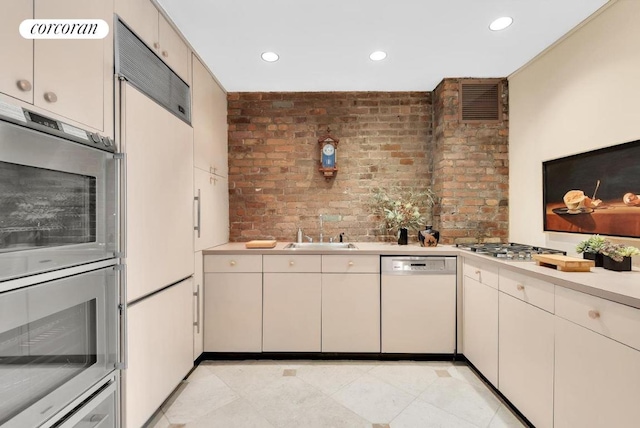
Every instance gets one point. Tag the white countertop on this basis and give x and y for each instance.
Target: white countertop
(620, 287)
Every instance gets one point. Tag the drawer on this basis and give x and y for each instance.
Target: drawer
(233, 263)
(614, 320)
(484, 273)
(293, 263)
(351, 264)
(531, 290)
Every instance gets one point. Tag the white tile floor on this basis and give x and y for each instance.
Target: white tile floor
(333, 394)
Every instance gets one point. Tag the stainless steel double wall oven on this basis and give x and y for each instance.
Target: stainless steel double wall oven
(59, 273)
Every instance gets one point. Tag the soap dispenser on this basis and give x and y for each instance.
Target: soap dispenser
(299, 238)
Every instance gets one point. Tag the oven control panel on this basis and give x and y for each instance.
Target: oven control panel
(36, 121)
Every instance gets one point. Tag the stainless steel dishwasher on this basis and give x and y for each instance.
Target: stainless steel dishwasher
(418, 304)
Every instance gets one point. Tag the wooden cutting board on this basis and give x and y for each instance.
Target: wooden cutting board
(563, 263)
(261, 244)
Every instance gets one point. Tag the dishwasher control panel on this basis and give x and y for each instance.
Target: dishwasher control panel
(418, 265)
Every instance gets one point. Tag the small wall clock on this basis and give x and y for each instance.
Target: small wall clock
(328, 145)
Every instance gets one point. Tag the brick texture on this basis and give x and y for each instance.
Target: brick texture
(470, 170)
(274, 183)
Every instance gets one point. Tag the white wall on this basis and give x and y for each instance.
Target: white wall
(581, 94)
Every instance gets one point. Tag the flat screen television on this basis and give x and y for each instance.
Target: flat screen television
(613, 209)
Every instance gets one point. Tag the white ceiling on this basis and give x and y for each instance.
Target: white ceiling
(324, 45)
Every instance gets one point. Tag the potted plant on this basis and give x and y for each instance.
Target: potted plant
(617, 257)
(591, 249)
(401, 210)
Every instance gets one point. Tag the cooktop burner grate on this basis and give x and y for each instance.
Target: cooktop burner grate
(510, 251)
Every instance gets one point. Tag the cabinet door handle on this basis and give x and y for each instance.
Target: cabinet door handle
(197, 227)
(232, 262)
(196, 294)
(156, 45)
(50, 97)
(477, 272)
(350, 263)
(165, 54)
(593, 314)
(520, 287)
(24, 85)
(291, 263)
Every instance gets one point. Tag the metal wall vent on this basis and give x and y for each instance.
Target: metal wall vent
(146, 71)
(480, 100)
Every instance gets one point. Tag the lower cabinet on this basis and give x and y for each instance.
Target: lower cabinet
(292, 312)
(526, 354)
(350, 312)
(597, 377)
(480, 327)
(160, 350)
(233, 306)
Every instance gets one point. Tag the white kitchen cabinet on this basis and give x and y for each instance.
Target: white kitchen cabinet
(70, 78)
(350, 312)
(526, 355)
(292, 311)
(480, 327)
(233, 303)
(198, 305)
(209, 120)
(16, 52)
(597, 380)
(142, 17)
(159, 209)
(211, 210)
(160, 350)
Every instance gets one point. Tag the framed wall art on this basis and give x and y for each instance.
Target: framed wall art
(594, 192)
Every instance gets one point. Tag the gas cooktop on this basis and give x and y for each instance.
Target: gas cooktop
(510, 251)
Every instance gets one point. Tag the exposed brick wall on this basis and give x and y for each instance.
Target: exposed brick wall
(274, 182)
(470, 170)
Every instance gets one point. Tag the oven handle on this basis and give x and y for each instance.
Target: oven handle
(121, 158)
(78, 419)
(124, 321)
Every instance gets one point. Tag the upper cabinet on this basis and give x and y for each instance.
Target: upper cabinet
(209, 120)
(144, 19)
(71, 78)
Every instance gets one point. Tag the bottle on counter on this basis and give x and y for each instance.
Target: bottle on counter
(300, 235)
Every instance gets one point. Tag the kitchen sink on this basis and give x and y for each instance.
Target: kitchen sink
(320, 246)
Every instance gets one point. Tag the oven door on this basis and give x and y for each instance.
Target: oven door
(57, 339)
(57, 203)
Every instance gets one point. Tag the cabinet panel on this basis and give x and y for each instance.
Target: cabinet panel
(292, 314)
(597, 380)
(16, 52)
(526, 338)
(233, 304)
(484, 273)
(198, 305)
(350, 312)
(214, 210)
(74, 70)
(141, 16)
(351, 264)
(294, 263)
(160, 339)
(159, 149)
(233, 263)
(619, 322)
(209, 119)
(173, 50)
(480, 327)
(531, 290)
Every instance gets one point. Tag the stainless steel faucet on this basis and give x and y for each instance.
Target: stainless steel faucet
(321, 234)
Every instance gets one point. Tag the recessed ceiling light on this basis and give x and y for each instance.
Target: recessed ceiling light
(501, 23)
(270, 56)
(378, 56)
